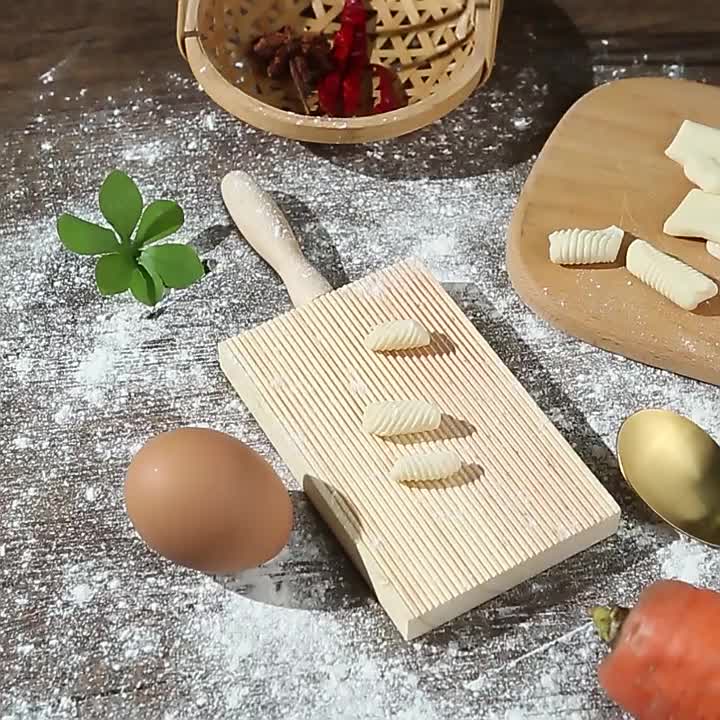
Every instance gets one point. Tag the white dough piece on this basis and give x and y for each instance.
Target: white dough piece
(694, 139)
(672, 278)
(401, 417)
(713, 248)
(704, 171)
(581, 247)
(397, 335)
(425, 467)
(697, 216)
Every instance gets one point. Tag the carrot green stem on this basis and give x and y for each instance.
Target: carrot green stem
(608, 621)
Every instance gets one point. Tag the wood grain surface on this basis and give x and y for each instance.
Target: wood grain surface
(605, 165)
(92, 625)
(523, 502)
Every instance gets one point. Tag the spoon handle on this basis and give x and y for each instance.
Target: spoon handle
(267, 230)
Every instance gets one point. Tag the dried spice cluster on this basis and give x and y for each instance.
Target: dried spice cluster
(306, 58)
(339, 74)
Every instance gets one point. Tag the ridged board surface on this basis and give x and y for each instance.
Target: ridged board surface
(523, 500)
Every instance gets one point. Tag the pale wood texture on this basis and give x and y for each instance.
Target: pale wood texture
(523, 502)
(604, 164)
(441, 50)
(86, 661)
(266, 228)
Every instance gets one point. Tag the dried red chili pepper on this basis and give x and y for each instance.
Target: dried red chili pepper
(350, 40)
(358, 91)
(347, 91)
(340, 92)
(329, 94)
(392, 93)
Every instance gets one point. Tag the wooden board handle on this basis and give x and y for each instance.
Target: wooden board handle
(267, 230)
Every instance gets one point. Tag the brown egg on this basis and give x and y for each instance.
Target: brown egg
(205, 500)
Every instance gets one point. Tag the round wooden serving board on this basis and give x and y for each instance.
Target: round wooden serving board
(605, 164)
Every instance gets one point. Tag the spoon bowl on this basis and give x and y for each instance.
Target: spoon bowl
(674, 467)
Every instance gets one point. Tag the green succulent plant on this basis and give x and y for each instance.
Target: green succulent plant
(128, 258)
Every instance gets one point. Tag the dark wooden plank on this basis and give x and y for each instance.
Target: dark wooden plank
(618, 19)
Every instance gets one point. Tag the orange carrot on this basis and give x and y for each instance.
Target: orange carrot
(665, 658)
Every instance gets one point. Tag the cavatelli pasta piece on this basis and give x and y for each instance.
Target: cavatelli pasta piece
(582, 247)
(425, 467)
(401, 417)
(704, 171)
(397, 335)
(713, 248)
(672, 278)
(693, 139)
(696, 217)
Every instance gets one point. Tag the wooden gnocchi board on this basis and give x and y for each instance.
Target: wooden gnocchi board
(605, 164)
(523, 502)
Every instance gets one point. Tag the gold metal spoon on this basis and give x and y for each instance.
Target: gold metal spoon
(674, 466)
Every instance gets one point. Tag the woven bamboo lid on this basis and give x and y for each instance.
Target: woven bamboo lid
(441, 49)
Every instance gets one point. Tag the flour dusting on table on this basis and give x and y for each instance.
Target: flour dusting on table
(101, 627)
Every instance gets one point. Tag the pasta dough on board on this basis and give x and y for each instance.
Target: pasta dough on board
(672, 278)
(401, 417)
(713, 248)
(693, 139)
(582, 247)
(697, 216)
(425, 467)
(397, 335)
(704, 171)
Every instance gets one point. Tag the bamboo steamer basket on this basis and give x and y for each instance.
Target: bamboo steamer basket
(441, 49)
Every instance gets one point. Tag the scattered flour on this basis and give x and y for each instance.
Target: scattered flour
(690, 561)
(209, 121)
(63, 414)
(81, 594)
(522, 123)
(348, 682)
(149, 152)
(358, 387)
(23, 367)
(116, 373)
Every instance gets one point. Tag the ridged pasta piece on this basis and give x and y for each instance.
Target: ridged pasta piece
(401, 417)
(713, 248)
(672, 278)
(397, 335)
(426, 467)
(583, 247)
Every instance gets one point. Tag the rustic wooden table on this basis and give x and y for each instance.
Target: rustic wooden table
(92, 625)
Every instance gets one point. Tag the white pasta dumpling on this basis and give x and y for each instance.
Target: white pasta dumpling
(397, 335)
(401, 417)
(426, 467)
(713, 248)
(704, 171)
(697, 216)
(672, 278)
(692, 139)
(585, 247)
